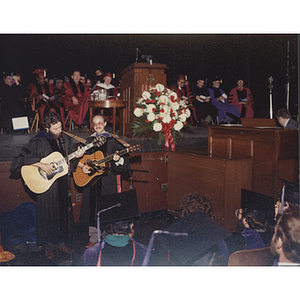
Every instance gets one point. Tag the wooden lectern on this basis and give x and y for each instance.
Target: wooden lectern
(136, 79)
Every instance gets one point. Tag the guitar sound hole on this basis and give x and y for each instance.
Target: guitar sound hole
(42, 173)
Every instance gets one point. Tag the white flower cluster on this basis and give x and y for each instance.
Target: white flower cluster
(161, 105)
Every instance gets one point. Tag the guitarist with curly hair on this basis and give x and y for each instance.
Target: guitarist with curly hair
(51, 203)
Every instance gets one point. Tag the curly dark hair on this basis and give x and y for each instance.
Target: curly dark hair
(49, 119)
(288, 229)
(193, 201)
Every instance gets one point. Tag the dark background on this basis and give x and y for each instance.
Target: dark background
(256, 57)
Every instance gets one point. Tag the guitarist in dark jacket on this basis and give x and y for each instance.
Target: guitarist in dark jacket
(108, 182)
(51, 205)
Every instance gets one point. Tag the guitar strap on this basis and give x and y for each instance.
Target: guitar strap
(75, 137)
(125, 144)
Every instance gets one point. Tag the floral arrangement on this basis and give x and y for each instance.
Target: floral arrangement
(159, 110)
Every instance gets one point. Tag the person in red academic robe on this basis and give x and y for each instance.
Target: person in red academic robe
(184, 92)
(112, 94)
(76, 99)
(242, 98)
(43, 94)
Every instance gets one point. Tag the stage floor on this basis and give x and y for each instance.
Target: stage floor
(11, 144)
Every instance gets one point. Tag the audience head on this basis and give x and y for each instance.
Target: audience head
(283, 115)
(195, 201)
(180, 81)
(201, 81)
(250, 218)
(216, 82)
(124, 227)
(82, 78)
(107, 78)
(240, 83)
(286, 239)
(76, 76)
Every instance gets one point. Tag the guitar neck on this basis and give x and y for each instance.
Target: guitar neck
(111, 156)
(74, 154)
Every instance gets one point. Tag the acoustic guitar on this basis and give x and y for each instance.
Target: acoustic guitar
(98, 163)
(39, 181)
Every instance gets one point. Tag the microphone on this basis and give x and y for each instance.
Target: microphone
(137, 50)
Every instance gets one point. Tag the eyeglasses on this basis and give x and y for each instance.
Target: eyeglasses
(99, 123)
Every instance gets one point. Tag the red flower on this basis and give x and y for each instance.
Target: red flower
(172, 98)
(148, 101)
(152, 101)
(159, 119)
(147, 121)
(162, 110)
(157, 94)
(153, 109)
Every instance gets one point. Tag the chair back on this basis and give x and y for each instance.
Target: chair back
(255, 257)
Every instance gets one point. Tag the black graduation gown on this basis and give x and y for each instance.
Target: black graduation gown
(52, 205)
(11, 104)
(204, 109)
(106, 185)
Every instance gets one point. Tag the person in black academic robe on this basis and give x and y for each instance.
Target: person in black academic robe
(52, 205)
(106, 184)
(10, 101)
(206, 112)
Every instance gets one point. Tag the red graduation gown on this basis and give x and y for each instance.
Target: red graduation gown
(76, 112)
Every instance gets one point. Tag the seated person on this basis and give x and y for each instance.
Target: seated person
(112, 93)
(206, 112)
(184, 93)
(116, 246)
(284, 118)
(227, 113)
(248, 226)
(76, 99)
(286, 240)
(242, 98)
(288, 198)
(195, 239)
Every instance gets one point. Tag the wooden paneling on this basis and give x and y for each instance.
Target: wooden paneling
(136, 79)
(221, 179)
(275, 153)
(148, 185)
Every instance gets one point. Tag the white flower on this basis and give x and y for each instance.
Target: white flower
(178, 126)
(182, 118)
(138, 112)
(167, 119)
(146, 95)
(150, 107)
(151, 117)
(163, 99)
(159, 87)
(140, 101)
(157, 126)
(174, 106)
(188, 113)
(173, 94)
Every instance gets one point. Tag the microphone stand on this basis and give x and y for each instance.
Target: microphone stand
(270, 86)
(130, 176)
(69, 200)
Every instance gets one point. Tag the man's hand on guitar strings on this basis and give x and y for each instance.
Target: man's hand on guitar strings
(80, 152)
